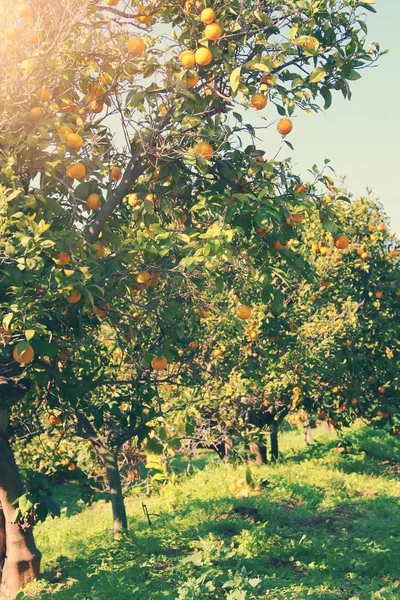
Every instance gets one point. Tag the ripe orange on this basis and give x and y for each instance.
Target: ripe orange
(348, 342)
(145, 19)
(217, 353)
(159, 364)
(394, 252)
(213, 32)
(75, 297)
(296, 218)
(115, 174)
(187, 59)
(258, 101)
(5, 336)
(204, 149)
(143, 277)
(105, 79)
(381, 227)
(279, 246)
(95, 91)
(335, 389)
(243, 312)
(73, 141)
(207, 16)
(364, 255)
(203, 314)
(354, 401)
(95, 107)
(133, 200)
(324, 250)
(381, 389)
(35, 38)
(43, 94)
(24, 356)
(111, 2)
(53, 419)
(99, 250)
(153, 281)
(13, 34)
(341, 241)
(360, 251)
(379, 294)
(310, 43)
(193, 345)
(93, 201)
(313, 298)
(314, 246)
(24, 11)
(37, 113)
(192, 78)
(371, 227)
(71, 467)
(203, 56)
(63, 259)
(267, 79)
(300, 188)
(135, 46)
(64, 130)
(76, 171)
(284, 126)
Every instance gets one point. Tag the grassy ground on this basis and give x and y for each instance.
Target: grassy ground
(326, 526)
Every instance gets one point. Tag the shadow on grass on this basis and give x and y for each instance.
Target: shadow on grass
(286, 544)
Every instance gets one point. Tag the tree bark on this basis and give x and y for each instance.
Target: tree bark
(110, 462)
(259, 451)
(22, 559)
(274, 442)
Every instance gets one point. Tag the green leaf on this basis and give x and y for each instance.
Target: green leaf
(44, 348)
(29, 333)
(318, 74)
(235, 78)
(327, 96)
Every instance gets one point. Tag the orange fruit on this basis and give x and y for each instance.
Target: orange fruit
(5, 336)
(37, 113)
(381, 389)
(95, 107)
(324, 250)
(153, 281)
(314, 246)
(143, 277)
(95, 91)
(203, 56)
(133, 200)
(24, 11)
(310, 43)
(379, 294)
(213, 32)
(394, 252)
(193, 345)
(63, 259)
(360, 251)
(35, 38)
(192, 78)
(71, 467)
(99, 250)
(43, 94)
(64, 130)
(284, 126)
(313, 298)
(115, 174)
(300, 188)
(159, 364)
(75, 297)
(105, 79)
(145, 19)
(24, 356)
(207, 16)
(354, 401)
(348, 342)
(135, 46)
(341, 241)
(203, 314)
(73, 141)
(76, 171)
(13, 34)
(296, 218)
(364, 255)
(53, 419)
(111, 2)
(381, 227)
(243, 312)
(335, 389)
(258, 101)
(279, 246)
(258, 161)
(371, 227)
(163, 110)
(187, 59)
(204, 149)
(93, 202)
(267, 79)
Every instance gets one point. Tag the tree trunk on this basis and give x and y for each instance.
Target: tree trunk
(274, 442)
(259, 451)
(22, 559)
(110, 462)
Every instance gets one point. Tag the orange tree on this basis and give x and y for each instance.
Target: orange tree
(328, 346)
(122, 164)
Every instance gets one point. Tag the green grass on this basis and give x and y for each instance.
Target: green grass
(326, 526)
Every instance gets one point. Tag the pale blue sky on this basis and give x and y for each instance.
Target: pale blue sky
(362, 137)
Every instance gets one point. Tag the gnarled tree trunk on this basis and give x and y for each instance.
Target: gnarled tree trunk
(259, 452)
(21, 558)
(274, 442)
(110, 462)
